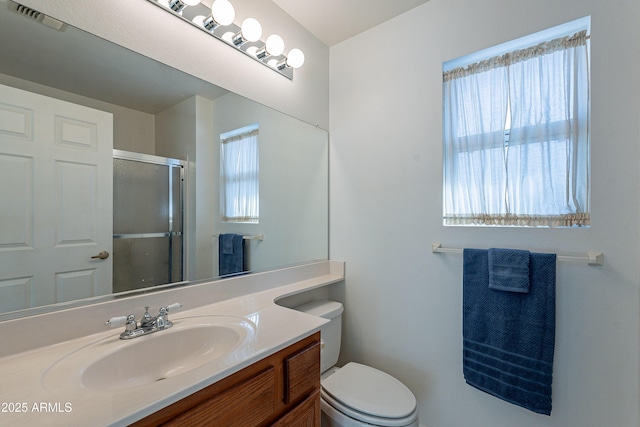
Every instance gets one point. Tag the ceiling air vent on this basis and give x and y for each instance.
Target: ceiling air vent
(37, 16)
(27, 11)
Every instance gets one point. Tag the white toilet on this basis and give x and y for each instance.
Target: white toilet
(357, 395)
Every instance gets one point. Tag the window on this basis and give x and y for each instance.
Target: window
(239, 175)
(516, 136)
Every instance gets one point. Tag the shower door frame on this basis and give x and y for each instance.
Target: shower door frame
(164, 161)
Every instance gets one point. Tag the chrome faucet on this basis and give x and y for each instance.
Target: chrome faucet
(148, 324)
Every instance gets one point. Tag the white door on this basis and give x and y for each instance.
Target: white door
(56, 194)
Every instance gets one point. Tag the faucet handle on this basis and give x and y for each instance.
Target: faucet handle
(164, 313)
(166, 309)
(174, 306)
(117, 321)
(131, 325)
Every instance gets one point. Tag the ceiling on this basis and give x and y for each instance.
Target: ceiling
(333, 21)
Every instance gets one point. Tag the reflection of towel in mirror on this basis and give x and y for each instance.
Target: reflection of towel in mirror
(509, 337)
(226, 240)
(230, 254)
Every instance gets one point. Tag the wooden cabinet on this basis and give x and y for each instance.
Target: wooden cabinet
(281, 390)
(306, 414)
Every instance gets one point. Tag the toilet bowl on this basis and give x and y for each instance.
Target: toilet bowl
(357, 395)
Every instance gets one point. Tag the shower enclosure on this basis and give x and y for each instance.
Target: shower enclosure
(148, 242)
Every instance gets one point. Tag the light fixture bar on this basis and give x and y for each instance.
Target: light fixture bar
(200, 16)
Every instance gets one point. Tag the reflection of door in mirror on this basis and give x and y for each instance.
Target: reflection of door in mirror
(56, 211)
(148, 247)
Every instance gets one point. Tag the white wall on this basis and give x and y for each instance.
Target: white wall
(205, 176)
(403, 303)
(177, 137)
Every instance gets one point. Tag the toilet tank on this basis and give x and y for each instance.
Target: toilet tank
(331, 333)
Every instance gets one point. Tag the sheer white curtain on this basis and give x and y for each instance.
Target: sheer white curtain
(239, 175)
(516, 138)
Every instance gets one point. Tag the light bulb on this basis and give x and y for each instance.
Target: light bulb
(274, 45)
(229, 37)
(295, 59)
(191, 2)
(251, 30)
(199, 20)
(223, 12)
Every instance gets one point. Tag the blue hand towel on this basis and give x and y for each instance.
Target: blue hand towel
(509, 270)
(509, 337)
(230, 254)
(226, 243)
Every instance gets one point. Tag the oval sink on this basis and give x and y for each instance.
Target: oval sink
(113, 364)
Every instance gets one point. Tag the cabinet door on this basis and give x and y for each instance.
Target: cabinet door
(302, 373)
(306, 414)
(248, 403)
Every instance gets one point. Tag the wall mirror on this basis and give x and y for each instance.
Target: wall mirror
(72, 90)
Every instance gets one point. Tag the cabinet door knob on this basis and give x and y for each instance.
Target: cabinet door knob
(101, 255)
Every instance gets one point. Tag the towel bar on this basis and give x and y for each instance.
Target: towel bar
(254, 237)
(592, 258)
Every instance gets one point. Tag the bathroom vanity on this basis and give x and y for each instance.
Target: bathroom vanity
(279, 390)
(236, 358)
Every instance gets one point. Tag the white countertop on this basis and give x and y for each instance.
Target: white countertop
(26, 402)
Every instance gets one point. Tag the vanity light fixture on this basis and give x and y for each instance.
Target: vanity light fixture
(218, 21)
(178, 5)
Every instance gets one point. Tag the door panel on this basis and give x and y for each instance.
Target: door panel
(75, 284)
(16, 188)
(76, 194)
(56, 187)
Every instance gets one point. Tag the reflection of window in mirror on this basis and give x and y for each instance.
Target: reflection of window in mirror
(239, 175)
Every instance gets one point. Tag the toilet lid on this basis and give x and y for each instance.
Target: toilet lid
(370, 391)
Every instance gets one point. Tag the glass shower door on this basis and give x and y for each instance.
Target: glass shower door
(148, 244)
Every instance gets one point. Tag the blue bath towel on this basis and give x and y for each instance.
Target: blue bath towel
(509, 270)
(230, 254)
(509, 337)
